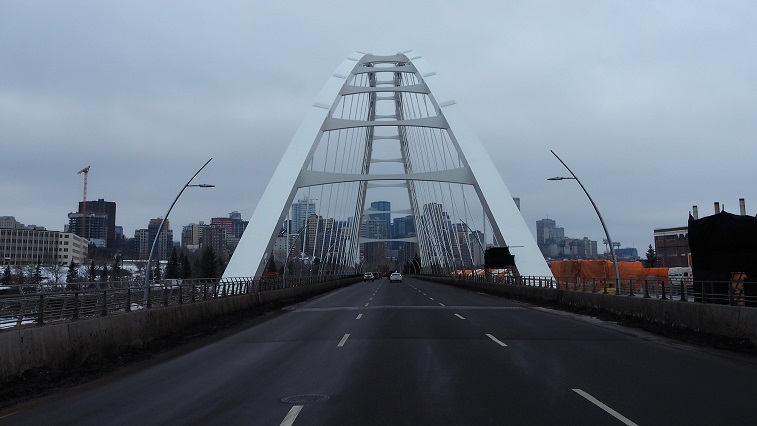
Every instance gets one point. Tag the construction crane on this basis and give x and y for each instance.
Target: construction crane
(84, 200)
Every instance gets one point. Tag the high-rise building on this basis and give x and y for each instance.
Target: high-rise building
(214, 236)
(145, 237)
(403, 227)
(234, 226)
(95, 221)
(91, 226)
(301, 210)
(382, 206)
(108, 208)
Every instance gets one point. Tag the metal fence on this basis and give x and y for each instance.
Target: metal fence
(735, 293)
(48, 303)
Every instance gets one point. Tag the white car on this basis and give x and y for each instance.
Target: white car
(396, 277)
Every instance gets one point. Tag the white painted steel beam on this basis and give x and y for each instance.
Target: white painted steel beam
(478, 170)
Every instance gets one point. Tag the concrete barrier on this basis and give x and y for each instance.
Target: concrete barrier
(736, 322)
(70, 344)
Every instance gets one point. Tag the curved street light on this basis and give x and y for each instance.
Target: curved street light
(607, 234)
(148, 271)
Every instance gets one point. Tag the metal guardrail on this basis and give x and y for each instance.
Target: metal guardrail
(734, 293)
(45, 303)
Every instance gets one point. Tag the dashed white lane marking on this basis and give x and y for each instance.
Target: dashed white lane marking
(442, 304)
(344, 339)
(359, 316)
(609, 410)
(497, 341)
(460, 316)
(431, 298)
(366, 305)
(291, 415)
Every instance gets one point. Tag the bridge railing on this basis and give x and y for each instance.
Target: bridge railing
(48, 303)
(736, 292)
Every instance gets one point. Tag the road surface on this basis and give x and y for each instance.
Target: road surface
(420, 353)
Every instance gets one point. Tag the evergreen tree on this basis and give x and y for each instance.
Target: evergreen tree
(92, 272)
(172, 269)
(20, 278)
(7, 277)
(271, 264)
(185, 271)
(116, 269)
(73, 273)
(652, 260)
(208, 263)
(156, 273)
(37, 273)
(104, 274)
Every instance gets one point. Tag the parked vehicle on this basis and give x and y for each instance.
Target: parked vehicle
(396, 277)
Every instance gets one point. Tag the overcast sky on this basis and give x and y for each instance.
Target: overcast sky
(652, 104)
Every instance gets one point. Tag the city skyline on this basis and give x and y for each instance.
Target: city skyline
(649, 104)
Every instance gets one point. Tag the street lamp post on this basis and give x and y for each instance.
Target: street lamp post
(148, 271)
(607, 234)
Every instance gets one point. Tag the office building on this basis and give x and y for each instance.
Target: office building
(145, 237)
(20, 247)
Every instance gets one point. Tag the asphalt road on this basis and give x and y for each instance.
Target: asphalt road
(419, 353)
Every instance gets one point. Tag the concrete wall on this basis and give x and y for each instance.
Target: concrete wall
(69, 344)
(736, 322)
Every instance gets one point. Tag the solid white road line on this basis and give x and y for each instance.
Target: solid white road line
(344, 339)
(460, 316)
(609, 410)
(359, 316)
(291, 415)
(497, 341)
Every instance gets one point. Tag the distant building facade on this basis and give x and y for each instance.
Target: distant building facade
(672, 246)
(20, 247)
(300, 211)
(144, 239)
(95, 221)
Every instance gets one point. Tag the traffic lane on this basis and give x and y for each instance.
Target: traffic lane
(456, 296)
(641, 377)
(402, 294)
(551, 338)
(354, 295)
(242, 375)
(423, 366)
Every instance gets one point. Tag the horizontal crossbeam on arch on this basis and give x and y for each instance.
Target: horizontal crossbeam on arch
(413, 88)
(383, 59)
(403, 68)
(363, 240)
(368, 212)
(387, 185)
(437, 122)
(387, 160)
(313, 178)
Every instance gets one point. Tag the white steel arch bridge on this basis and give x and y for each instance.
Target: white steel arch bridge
(384, 131)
